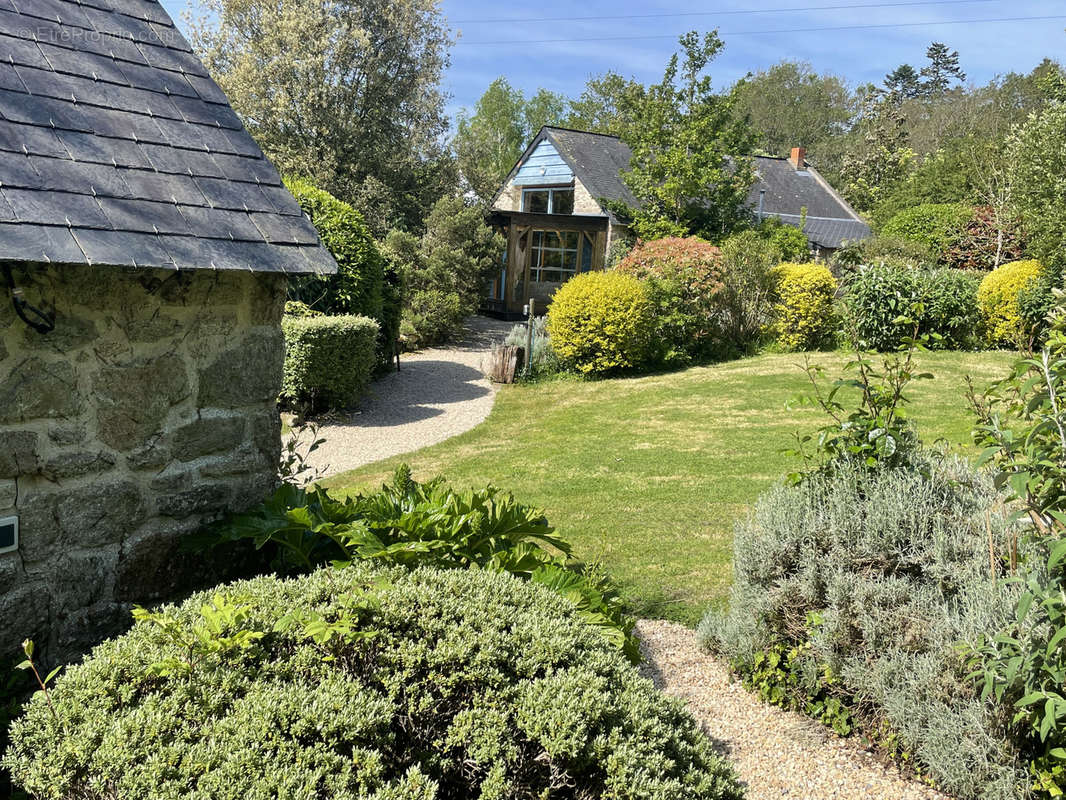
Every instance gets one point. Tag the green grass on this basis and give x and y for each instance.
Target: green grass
(648, 475)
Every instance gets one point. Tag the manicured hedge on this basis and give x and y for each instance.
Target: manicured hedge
(328, 360)
(358, 684)
(998, 300)
(803, 311)
(602, 323)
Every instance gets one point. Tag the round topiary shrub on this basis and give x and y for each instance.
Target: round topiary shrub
(997, 300)
(602, 322)
(803, 313)
(358, 286)
(328, 360)
(684, 281)
(356, 684)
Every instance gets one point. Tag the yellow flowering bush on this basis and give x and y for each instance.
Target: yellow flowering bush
(602, 322)
(803, 313)
(997, 300)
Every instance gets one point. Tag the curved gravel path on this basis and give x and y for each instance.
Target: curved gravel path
(438, 393)
(778, 754)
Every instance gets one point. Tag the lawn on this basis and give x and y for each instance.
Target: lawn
(648, 475)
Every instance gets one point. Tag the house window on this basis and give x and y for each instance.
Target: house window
(548, 201)
(556, 256)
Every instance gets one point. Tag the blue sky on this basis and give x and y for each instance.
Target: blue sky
(753, 40)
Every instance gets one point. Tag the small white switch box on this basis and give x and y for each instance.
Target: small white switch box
(9, 534)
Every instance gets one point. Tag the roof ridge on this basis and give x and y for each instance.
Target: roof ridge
(578, 130)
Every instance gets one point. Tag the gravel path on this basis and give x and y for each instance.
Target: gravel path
(778, 754)
(438, 393)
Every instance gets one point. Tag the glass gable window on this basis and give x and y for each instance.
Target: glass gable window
(548, 201)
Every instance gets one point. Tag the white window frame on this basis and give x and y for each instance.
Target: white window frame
(551, 190)
(536, 254)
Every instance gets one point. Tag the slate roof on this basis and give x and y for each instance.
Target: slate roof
(117, 148)
(597, 159)
(830, 220)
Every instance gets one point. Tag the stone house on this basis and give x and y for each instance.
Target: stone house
(144, 246)
(553, 209)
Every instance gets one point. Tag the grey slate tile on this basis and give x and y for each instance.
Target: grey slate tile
(243, 143)
(163, 187)
(141, 9)
(118, 24)
(285, 230)
(79, 176)
(218, 223)
(208, 90)
(67, 13)
(20, 51)
(23, 242)
(19, 171)
(31, 139)
(79, 210)
(101, 150)
(96, 66)
(245, 168)
(123, 248)
(143, 216)
(282, 201)
(7, 213)
(9, 79)
(223, 193)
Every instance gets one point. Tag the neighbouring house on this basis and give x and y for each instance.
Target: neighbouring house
(550, 211)
(144, 246)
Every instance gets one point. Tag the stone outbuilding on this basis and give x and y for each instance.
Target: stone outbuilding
(144, 246)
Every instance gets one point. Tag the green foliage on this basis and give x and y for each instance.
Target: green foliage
(874, 433)
(369, 684)
(357, 286)
(602, 323)
(1022, 424)
(855, 587)
(790, 241)
(880, 251)
(543, 360)
(1037, 151)
(883, 305)
(803, 309)
(445, 270)
(297, 308)
(879, 156)
(936, 226)
(690, 171)
(997, 300)
(328, 360)
(684, 281)
(748, 259)
(412, 524)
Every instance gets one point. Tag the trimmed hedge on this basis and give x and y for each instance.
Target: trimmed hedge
(803, 313)
(358, 684)
(328, 360)
(684, 281)
(877, 296)
(936, 226)
(998, 298)
(602, 323)
(358, 285)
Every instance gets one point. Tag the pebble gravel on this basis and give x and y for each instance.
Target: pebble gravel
(776, 753)
(438, 393)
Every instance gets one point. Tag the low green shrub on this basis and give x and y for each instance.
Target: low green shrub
(298, 308)
(748, 260)
(413, 524)
(998, 301)
(883, 303)
(790, 241)
(328, 360)
(851, 592)
(543, 360)
(803, 308)
(880, 251)
(936, 226)
(602, 323)
(430, 316)
(360, 684)
(684, 281)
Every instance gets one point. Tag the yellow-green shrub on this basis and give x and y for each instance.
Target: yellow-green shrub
(803, 313)
(601, 322)
(997, 300)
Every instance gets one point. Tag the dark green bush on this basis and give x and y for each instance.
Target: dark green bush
(790, 241)
(880, 251)
(876, 298)
(363, 685)
(357, 286)
(851, 592)
(328, 360)
(431, 316)
(413, 524)
(936, 226)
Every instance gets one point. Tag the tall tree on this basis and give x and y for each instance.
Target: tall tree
(489, 141)
(943, 67)
(880, 155)
(344, 92)
(791, 105)
(690, 169)
(600, 107)
(903, 83)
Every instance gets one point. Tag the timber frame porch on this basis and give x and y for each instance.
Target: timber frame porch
(512, 288)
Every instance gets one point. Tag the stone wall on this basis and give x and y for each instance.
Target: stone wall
(149, 410)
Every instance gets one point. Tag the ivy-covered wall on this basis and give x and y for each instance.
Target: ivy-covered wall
(150, 409)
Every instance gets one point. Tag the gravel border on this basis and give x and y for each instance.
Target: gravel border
(438, 393)
(777, 754)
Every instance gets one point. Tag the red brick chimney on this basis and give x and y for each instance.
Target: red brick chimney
(797, 158)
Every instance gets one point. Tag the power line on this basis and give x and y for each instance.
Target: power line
(731, 12)
(759, 32)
